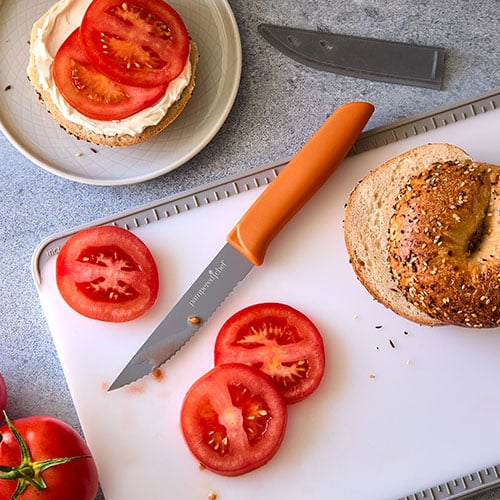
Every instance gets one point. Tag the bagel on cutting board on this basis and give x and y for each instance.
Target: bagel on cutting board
(423, 236)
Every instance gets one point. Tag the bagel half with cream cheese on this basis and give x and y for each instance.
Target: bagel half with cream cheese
(61, 18)
(423, 235)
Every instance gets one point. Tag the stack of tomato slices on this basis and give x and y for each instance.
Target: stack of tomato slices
(122, 57)
(266, 356)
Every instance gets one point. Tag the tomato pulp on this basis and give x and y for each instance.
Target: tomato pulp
(278, 340)
(107, 273)
(46, 438)
(233, 419)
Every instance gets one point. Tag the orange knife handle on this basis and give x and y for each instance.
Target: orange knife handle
(306, 172)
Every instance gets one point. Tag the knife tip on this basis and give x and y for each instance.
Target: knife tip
(115, 385)
(131, 373)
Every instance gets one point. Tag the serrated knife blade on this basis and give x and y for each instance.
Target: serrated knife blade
(360, 57)
(197, 304)
(248, 241)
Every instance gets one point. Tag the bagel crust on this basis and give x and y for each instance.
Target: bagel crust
(444, 243)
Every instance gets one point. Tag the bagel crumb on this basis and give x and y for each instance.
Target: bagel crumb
(194, 320)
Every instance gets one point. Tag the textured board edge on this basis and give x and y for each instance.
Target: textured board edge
(463, 487)
(423, 123)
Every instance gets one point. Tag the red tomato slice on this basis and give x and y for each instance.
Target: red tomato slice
(92, 93)
(278, 340)
(137, 42)
(107, 273)
(233, 419)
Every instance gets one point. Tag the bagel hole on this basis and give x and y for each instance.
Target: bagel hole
(477, 237)
(479, 241)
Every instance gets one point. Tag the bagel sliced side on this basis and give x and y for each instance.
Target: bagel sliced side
(366, 225)
(86, 134)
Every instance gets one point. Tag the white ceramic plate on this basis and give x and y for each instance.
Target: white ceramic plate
(28, 126)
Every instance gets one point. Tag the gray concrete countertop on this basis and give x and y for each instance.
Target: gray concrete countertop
(279, 105)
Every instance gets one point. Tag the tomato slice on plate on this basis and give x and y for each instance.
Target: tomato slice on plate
(233, 419)
(137, 42)
(278, 340)
(92, 93)
(107, 273)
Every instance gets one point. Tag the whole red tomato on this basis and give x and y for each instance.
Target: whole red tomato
(3, 397)
(42, 457)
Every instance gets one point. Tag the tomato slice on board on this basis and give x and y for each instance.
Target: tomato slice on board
(278, 340)
(94, 94)
(233, 419)
(137, 42)
(107, 273)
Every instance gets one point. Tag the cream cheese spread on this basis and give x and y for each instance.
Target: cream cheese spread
(60, 21)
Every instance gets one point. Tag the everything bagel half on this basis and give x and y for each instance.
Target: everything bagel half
(423, 235)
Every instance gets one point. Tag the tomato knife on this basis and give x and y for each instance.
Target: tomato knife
(248, 241)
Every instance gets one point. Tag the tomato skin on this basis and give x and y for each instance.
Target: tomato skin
(122, 41)
(216, 411)
(280, 341)
(107, 273)
(48, 437)
(93, 94)
(3, 397)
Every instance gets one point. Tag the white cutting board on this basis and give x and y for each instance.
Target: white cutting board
(385, 422)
